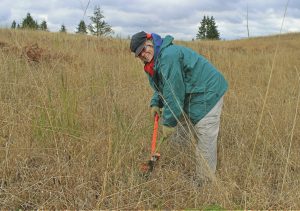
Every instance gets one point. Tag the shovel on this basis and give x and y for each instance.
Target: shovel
(148, 167)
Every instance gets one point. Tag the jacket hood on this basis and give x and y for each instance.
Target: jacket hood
(157, 41)
(167, 41)
(160, 43)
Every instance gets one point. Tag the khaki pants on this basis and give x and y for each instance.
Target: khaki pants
(206, 133)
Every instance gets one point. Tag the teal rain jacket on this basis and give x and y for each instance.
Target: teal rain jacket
(184, 81)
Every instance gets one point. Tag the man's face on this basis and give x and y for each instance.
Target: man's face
(147, 53)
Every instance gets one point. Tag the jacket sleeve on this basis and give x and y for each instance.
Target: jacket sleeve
(173, 88)
(156, 100)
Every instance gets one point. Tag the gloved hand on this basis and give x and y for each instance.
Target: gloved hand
(167, 131)
(155, 110)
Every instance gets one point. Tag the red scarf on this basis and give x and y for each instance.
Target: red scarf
(149, 68)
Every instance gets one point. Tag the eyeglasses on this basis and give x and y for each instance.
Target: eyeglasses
(144, 49)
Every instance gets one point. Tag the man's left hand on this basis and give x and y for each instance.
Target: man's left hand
(167, 131)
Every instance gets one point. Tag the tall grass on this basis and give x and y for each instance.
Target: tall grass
(75, 126)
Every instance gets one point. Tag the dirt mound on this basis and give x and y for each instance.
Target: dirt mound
(3, 45)
(33, 52)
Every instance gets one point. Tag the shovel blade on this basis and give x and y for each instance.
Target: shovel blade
(148, 167)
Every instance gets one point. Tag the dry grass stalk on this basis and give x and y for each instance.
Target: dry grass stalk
(75, 127)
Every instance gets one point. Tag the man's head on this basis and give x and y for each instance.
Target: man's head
(142, 46)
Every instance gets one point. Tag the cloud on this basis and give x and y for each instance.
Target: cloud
(5, 15)
(179, 18)
(294, 13)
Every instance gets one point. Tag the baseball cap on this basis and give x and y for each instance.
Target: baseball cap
(137, 42)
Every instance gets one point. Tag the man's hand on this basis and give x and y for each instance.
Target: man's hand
(167, 131)
(155, 110)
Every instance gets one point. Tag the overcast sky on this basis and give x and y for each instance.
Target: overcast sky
(180, 18)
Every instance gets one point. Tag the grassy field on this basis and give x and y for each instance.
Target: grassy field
(75, 126)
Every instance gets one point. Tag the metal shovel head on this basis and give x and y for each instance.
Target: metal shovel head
(148, 167)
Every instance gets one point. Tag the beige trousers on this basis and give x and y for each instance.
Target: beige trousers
(206, 133)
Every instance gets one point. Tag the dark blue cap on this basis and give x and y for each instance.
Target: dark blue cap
(137, 42)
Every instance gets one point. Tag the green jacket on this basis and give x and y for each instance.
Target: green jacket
(184, 81)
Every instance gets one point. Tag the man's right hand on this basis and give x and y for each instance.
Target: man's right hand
(155, 110)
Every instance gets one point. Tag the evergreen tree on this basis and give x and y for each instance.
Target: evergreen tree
(202, 32)
(212, 31)
(29, 23)
(81, 28)
(44, 26)
(208, 29)
(98, 26)
(63, 29)
(14, 24)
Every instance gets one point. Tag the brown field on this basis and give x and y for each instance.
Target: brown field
(75, 126)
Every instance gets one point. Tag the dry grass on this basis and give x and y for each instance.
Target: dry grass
(75, 126)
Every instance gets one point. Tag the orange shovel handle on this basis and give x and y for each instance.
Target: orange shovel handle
(154, 136)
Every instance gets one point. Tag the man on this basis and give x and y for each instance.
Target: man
(185, 85)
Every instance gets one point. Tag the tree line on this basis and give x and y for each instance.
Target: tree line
(99, 27)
